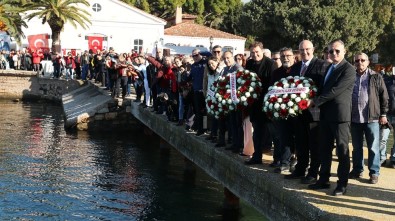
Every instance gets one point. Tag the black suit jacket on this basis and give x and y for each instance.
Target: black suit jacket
(316, 71)
(336, 94)
(264, 72)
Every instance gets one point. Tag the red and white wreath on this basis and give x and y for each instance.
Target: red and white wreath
(288, 97)
(237, 90)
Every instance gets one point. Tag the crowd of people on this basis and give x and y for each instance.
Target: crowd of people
(351, 99)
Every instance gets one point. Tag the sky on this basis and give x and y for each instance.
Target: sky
(245, 1)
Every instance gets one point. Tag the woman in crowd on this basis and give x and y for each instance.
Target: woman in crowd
(214, 70)
(70, 66)
(17, 60)
(122, 80)
(37, 56)
(181, 74)
(241, 60)
(167, 83)
(77, 69)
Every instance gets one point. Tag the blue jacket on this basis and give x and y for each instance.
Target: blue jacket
(197, 74)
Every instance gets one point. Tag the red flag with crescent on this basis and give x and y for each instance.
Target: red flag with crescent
(39, 41)
(73, 52)
(95, 43)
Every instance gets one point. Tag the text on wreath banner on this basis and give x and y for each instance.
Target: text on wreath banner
(288, 91)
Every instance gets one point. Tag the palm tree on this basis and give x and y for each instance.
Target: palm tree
(56, 13)
(10, 18)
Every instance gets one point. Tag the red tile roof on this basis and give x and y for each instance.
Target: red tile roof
(196, 30)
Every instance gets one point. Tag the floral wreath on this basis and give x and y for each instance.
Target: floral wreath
(237, 90)
(288, 97)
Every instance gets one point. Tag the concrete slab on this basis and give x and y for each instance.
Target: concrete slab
(83, 102)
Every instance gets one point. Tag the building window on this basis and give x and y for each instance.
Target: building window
(96, 7)
(227, 48)
(138, 45)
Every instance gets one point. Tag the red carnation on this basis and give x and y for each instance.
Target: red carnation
(222, 84)
(239, 74)
(273, 99)
(215, 84)
(283, 112)
(227, 95)
(257, 90)
(297, 83)
(312, 93)
(250, 100)
(209, 103)
(302, 105)
(290, 81)
(285, 100)
(279, 84)
(247, 83)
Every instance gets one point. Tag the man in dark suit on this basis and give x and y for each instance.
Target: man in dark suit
(263, 67)
(335, 116)
(305, 126)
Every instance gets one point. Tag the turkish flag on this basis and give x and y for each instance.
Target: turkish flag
(73, 52)
(95, 43)
(39, 41)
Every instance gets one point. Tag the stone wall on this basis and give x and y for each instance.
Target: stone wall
(28, 85)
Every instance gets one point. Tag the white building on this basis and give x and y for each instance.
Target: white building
(121, 26)
(182, 31)
(125, 27)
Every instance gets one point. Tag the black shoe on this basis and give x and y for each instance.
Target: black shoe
(383, 163)
(393, 164)
(242, 154)
(339, 191)
(199, 132)
(220, 145)
(308, 180)
(281, 169)
(275, 164)
(252, 161)
(319, 185)
(354, 175)
(294, 175)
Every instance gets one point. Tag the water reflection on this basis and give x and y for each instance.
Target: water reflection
(48, 174)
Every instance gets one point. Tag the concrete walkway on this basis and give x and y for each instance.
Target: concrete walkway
(270, 193)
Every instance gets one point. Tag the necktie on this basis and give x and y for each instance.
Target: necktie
(329, 73)
(304, 68)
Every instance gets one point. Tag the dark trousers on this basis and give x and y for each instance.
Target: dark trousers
(199, 109)
(314, 143)
(260, 136)
(338, 131)
(214, 126)
(236, 123)
(282, 135)
(306, 144)
(222, 127)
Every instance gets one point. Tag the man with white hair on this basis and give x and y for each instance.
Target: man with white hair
(267, 53)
